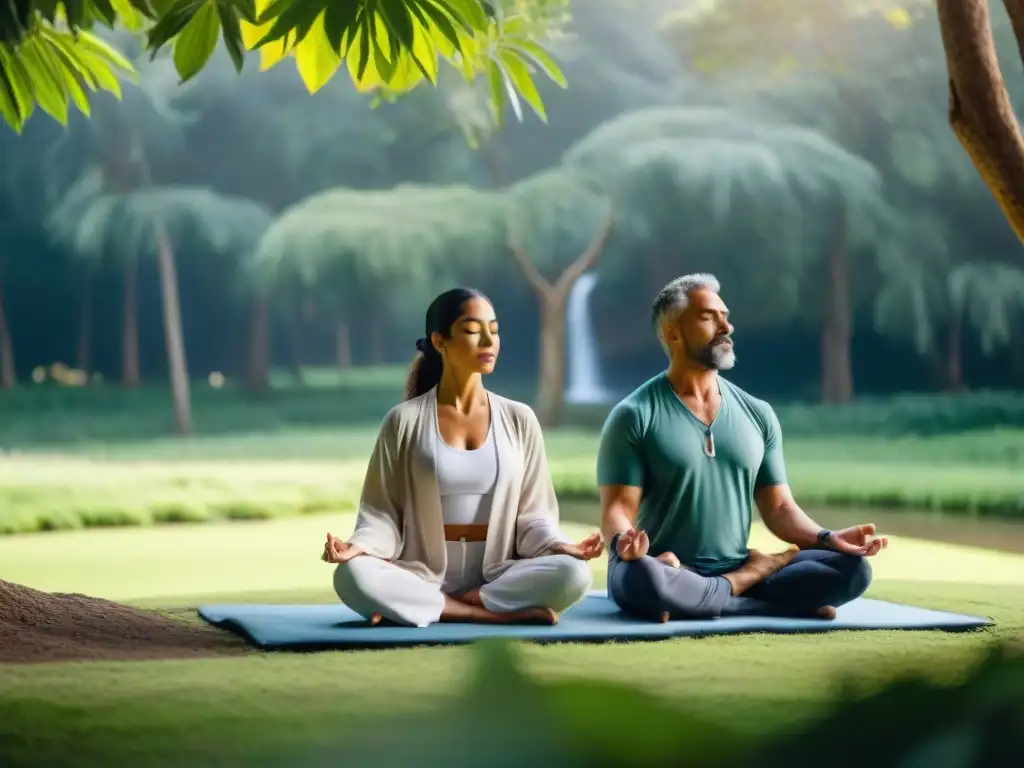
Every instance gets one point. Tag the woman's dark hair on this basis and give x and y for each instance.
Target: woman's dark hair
(426, 368)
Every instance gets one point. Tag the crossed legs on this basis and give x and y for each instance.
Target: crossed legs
(533, 590)
(809, 584)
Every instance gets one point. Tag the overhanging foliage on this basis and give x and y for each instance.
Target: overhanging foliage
(49, 56)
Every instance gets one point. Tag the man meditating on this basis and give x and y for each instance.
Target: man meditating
(680, 461)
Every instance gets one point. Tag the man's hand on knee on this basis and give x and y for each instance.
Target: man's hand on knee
(632, 545)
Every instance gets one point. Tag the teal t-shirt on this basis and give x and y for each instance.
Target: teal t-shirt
(694, 505)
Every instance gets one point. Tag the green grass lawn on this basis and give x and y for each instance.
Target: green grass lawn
(303, 709)
(101, 456)
(268, 475)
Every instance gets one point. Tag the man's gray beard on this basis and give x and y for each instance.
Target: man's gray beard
(714, 357)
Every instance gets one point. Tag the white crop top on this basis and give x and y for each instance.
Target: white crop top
(466, 480)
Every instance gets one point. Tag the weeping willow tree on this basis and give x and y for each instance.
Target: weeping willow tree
(557, 228)
(98, 223)
(935, 294)
(765, 42)
(702, 176)
(371, 260)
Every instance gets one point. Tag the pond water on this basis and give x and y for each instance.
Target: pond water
(999, 534)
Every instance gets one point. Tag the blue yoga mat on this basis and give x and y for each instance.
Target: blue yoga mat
(594, 619)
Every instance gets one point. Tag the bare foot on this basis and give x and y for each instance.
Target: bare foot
(826, 612)
(456, 610)
(758, 567)
(471, 598)
(532, 616)
(664, 617)
(764, 564)
(376, 619)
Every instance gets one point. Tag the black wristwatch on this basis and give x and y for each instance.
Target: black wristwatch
(825, 538)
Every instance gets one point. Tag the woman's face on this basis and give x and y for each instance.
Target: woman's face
(474, 343)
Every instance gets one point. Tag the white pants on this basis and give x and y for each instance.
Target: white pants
(368, 585)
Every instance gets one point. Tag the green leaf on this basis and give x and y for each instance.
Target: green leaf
(315, 58)
(469, 12)
(339, 20)
(541, 58)
(127, 16)
(402, 30)
(365, 37)
(440, 20)
(171, 24)
(15, 84)
(104, 11)
(46, 82)
(232, 34)
(74, 11)
(519, 75)
(496, 81)
(294, 19)
(276, 8)
(386, 62)
(197, 41)
(246, 9)
(100, 60)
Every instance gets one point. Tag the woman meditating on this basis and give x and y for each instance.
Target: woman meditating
(458, 519)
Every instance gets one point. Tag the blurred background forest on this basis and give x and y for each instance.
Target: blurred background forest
(858, 249)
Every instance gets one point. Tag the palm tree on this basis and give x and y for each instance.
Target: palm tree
(96, 222)
(683, 175)
(129, 140)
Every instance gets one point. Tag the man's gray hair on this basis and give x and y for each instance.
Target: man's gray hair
(674, 297)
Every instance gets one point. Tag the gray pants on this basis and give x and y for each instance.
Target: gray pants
(648, 587)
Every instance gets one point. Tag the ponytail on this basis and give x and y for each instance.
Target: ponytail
(425, 370)
(427, 366)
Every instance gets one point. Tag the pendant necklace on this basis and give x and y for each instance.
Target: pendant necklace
(709, 443)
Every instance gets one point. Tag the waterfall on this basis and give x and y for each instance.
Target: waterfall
(584, 373)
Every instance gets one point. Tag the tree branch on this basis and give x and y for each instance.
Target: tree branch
(533, 277)
(980, 112)
(587, 259)
(1015, 10)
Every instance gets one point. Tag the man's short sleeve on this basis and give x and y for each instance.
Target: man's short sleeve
(773, 466)
(620, 458)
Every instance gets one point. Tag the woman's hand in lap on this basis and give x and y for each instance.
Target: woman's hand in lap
(337, 551)
(588, 549)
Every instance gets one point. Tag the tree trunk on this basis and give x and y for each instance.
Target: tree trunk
(83, 349)
(377, 355)
(551, 392)
(836, 332)
(257, 368)
(955, 355)
(293, 344)
(8, 374)
(342, 344)
(980, 112)
(173, 335)
(130, 325)
(552, 299)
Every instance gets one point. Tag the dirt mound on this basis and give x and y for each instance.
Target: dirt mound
(39, 626)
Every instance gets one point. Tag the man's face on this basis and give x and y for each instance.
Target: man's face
(702, 332)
